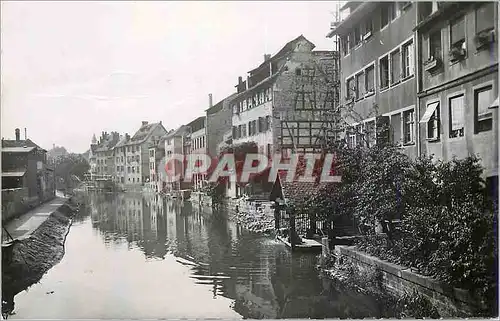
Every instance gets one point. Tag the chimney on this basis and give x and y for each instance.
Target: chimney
(18, 135)
(210, 100)
(240, 80)
(144, 123)
(127, 136)
(25, 133)
(267, 57)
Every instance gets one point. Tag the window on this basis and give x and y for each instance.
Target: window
(409, 127)
(260, 125)
(244, 130)
(395, 67)
(431, 118)
(117, 168)
(240, 131)
(396, 128)
(408, 65)
(393, 10)
(367, 28)
(384, 16)
(483, 98)
(485, 17)
(456, 105)
(350, 88)
(351, 137)
(370, 133)
(435, 45)
(360, 135)
(370, 79)
(345, 45)
(249, 103)
(357, 35)
(128, 169)
(384, 72)
(360, 86)
(268, 122)
(298, 72)
(244, 105)
(457, 32)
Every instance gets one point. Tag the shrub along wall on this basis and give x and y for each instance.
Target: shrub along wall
(447, 226)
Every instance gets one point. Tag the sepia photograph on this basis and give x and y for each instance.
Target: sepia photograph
(249, 159)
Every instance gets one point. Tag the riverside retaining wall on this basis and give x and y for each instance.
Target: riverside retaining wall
(25, 261)
(450, 302)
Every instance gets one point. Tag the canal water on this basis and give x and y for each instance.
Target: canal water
(136, 256)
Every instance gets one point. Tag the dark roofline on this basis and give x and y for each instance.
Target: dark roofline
(217, 107)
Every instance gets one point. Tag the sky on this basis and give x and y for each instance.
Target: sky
(72, 69)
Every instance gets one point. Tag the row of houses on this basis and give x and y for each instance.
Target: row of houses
(295, 84)
(427, 71)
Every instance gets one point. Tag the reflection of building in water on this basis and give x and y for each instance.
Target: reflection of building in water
(171, 219)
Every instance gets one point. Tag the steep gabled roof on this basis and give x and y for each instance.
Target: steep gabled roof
(19, 143)
(178, 132)
(108, 144)
(144, 132)
(289, 47)
(218, 107)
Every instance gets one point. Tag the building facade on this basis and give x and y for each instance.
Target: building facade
(458, 81)
(198, 145)
(429, 70)
(27, 179)
(378, 86)
(218, 120)
(174, 144)
(287, 89)
(136, 154)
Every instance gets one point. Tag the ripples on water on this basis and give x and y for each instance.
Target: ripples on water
(131, 256)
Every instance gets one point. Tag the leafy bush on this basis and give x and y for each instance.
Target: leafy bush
(448, 227)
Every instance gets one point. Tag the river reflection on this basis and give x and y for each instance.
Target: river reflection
(129, 255)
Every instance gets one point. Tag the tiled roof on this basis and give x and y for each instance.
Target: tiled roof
(286, 49)
(218, 107)
(122, 142)
(108, 144)
(298, 191)
(143, 133)
(18, 143)
(178, 132)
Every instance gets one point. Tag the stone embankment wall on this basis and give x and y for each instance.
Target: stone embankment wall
(27, 260)
(450, 302)
(15, 201)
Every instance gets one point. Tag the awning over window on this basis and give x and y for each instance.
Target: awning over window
(429, 111)
(494, 105)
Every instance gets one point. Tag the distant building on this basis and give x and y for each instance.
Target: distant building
(175, 144)
(218, 120)
(136, 151)
(197, 144)
(27, 179)
(156, 156)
